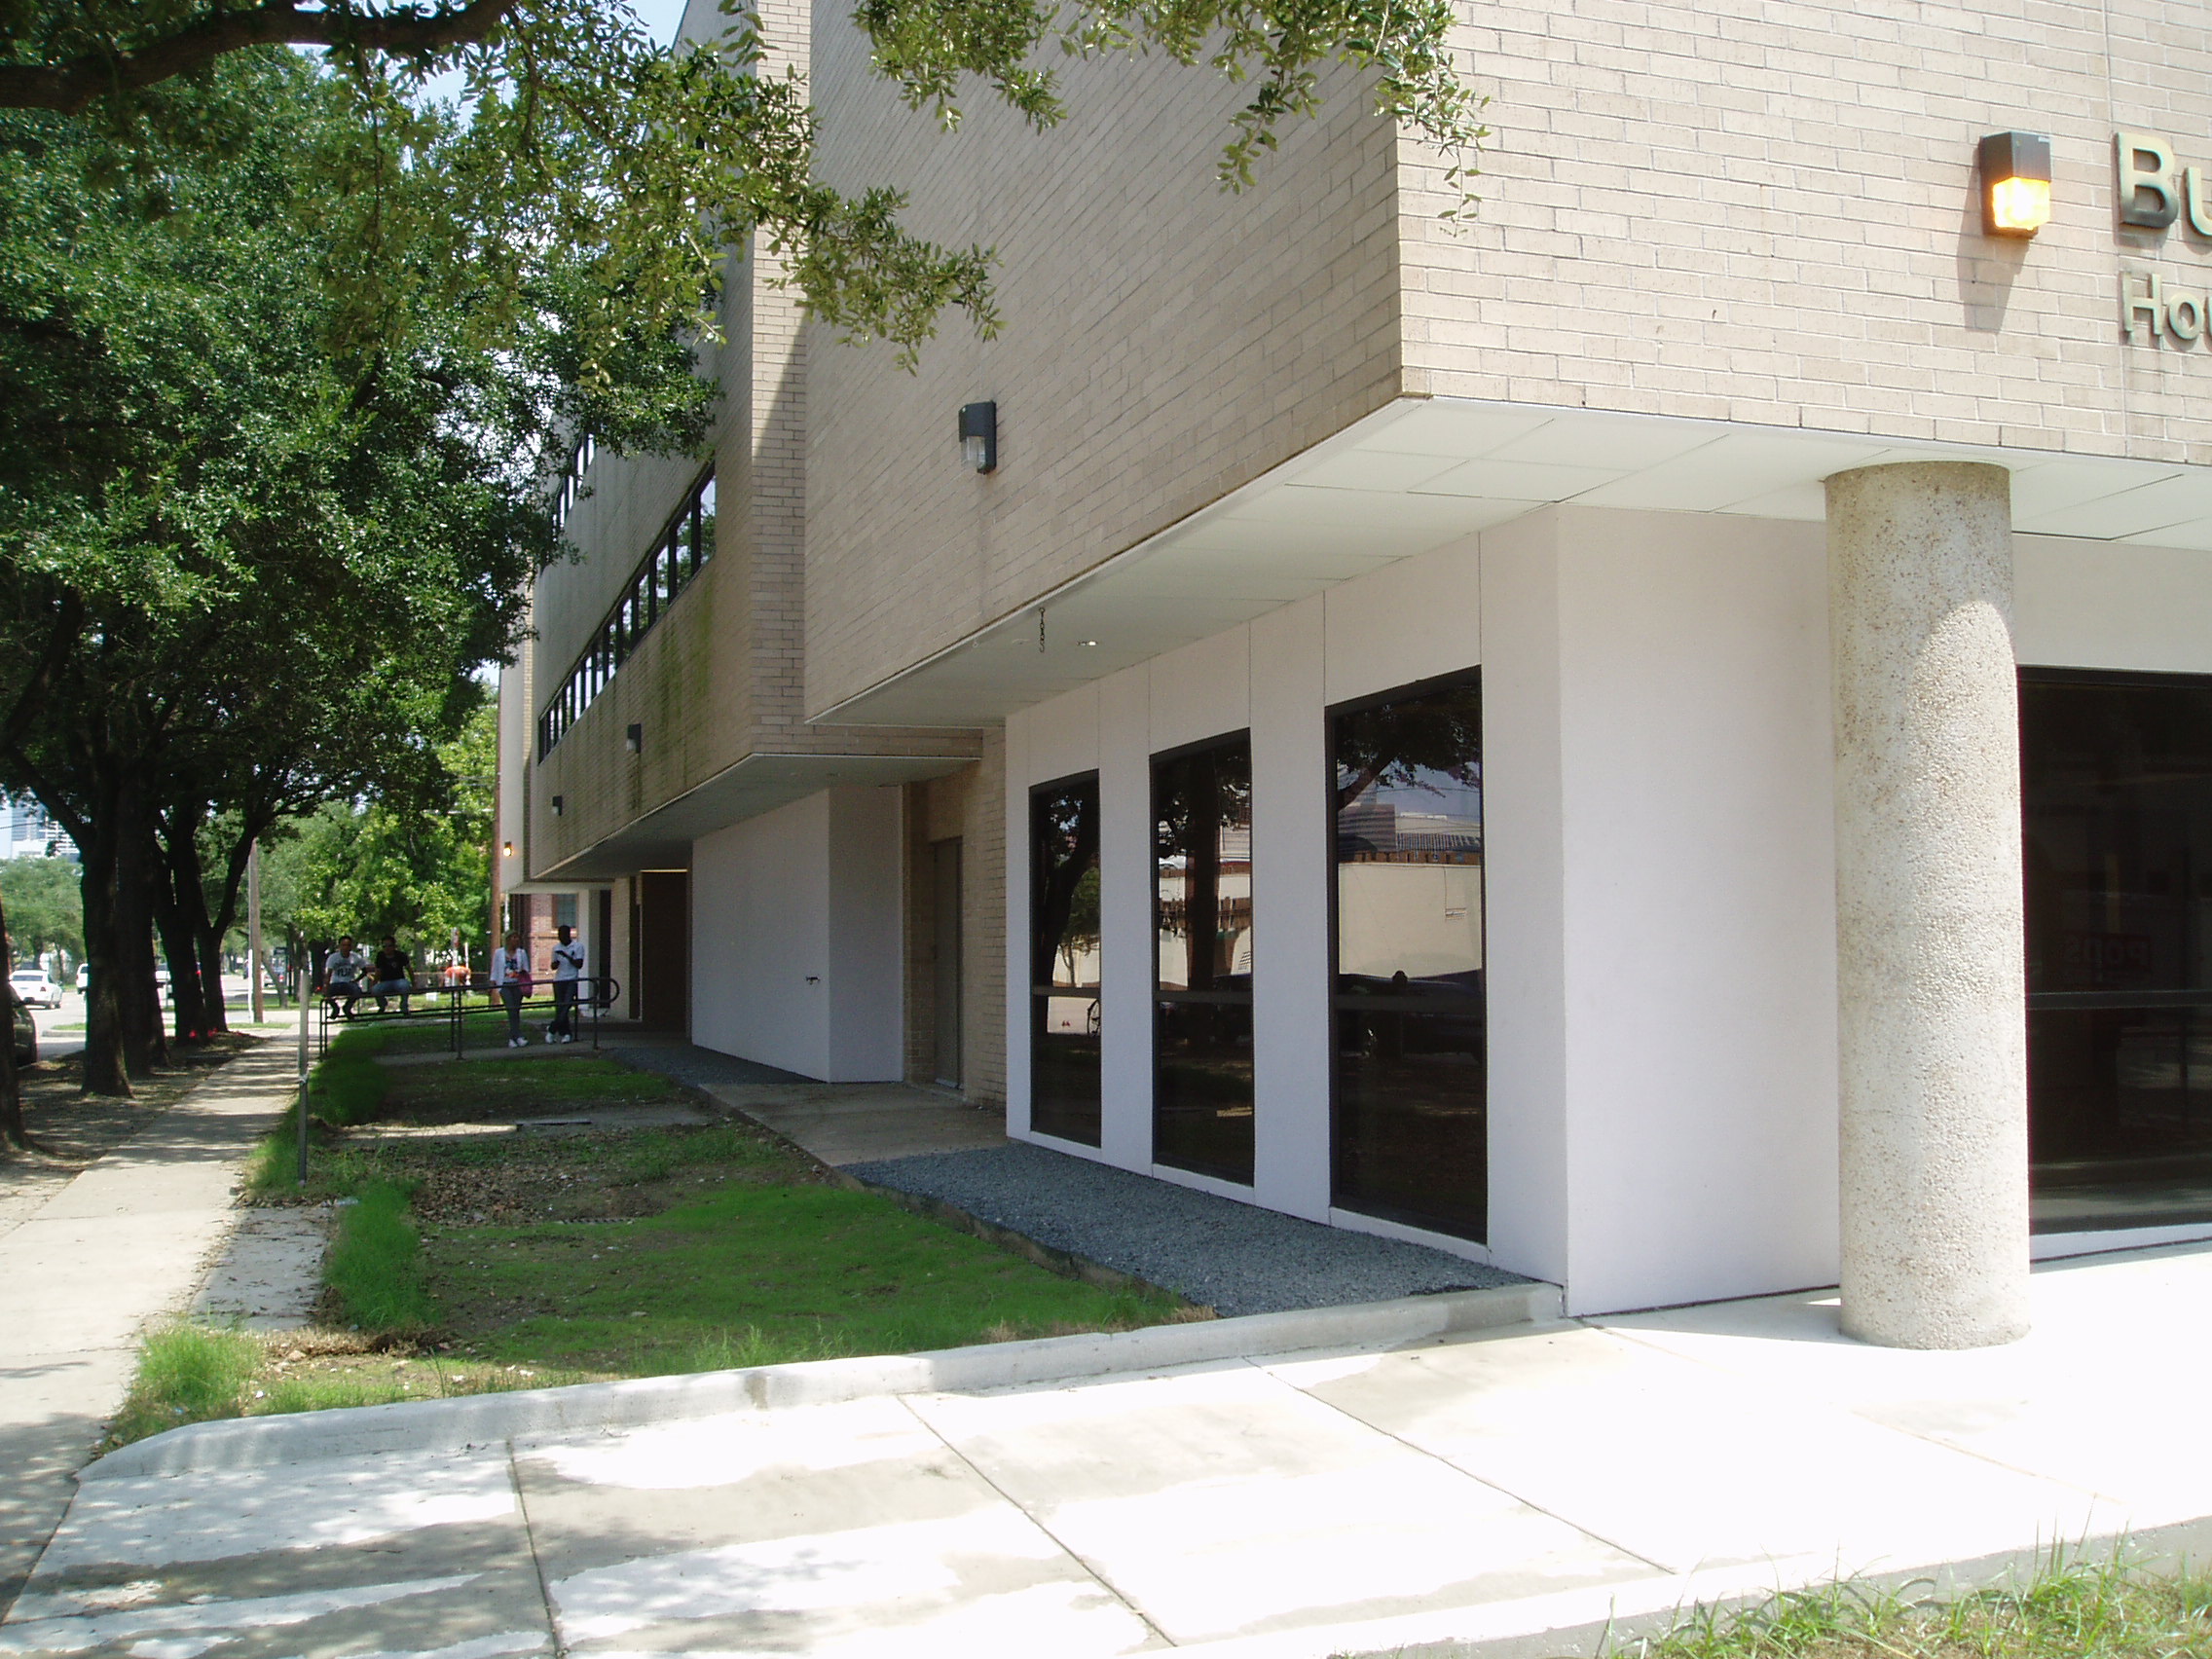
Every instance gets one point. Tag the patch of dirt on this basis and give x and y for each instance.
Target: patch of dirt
(529, 1179)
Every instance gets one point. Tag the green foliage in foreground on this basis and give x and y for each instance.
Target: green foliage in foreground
(186, 1374)
(347, 1087)
(2072, 1609)
(375, 1268)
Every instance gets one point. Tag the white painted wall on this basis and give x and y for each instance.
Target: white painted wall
(867, 978)
(796, 929)
(1659, 877)
(1696, 766)
(2111, 604)
(761, 938)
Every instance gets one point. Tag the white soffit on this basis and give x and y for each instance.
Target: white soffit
(1421, 474)
(758, 783)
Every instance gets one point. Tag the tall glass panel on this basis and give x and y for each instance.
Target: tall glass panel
(1410, 1129)
(1201, 1111)
(703, 547)
(2116, 788)
(1063, 1003)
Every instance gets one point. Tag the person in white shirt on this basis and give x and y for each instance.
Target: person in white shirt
(510, 977)
(567, 964)
(341, 972)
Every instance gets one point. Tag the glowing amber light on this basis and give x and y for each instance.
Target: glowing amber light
(2020, 207)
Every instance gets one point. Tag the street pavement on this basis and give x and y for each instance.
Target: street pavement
(122, 1244)
(1563, 1478)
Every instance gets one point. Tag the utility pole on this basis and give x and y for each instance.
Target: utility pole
(253, 958)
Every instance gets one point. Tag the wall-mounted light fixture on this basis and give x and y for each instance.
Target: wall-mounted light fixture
(980, 435)
(506, 849)
(634, 739)
(558, 803)
(2015, 183)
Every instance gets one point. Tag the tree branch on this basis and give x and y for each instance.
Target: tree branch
(414, 31)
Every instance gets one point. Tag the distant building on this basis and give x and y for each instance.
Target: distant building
(29, 831)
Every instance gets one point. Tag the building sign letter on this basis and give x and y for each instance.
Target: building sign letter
(2146, 195)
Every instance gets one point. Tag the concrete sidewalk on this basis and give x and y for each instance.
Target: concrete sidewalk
(122, 1244)
(1524, 1490)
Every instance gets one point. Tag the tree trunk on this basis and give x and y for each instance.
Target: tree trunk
(195, 972)
(140, 994)
(106, 1070)
(213, 1019)
(178, 950)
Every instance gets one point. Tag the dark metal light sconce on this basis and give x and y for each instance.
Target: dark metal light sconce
(558, 803)
(980, 435)
(634, 739)
(2015, 183)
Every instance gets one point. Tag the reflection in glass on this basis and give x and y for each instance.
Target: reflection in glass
(1202, 802)
(2117, 786)
(1411, 1124)
(1063, 1002)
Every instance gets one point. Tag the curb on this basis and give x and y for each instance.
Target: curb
(1617, 1619)
(545, 1413)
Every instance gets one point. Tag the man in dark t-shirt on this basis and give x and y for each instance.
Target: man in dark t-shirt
(394, 976)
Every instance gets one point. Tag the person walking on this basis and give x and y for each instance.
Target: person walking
(567, 964)
(510, 977)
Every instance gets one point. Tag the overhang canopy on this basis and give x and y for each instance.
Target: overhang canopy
(760, 783)
(1421, 474)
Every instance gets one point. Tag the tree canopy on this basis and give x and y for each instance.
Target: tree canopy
(576, 132)
(249, 558)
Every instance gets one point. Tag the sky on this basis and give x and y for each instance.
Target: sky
(660, 16)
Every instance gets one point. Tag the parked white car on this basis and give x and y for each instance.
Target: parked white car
(34, 989)
(84, 975)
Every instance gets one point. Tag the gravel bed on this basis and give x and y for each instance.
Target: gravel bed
(701, 1068)
(1231, 1257)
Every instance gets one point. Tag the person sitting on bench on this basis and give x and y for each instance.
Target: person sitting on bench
(341, 977)
(395, 976)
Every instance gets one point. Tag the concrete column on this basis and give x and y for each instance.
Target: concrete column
(1930, 982)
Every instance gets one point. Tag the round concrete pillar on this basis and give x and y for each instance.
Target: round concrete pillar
(1929, 977)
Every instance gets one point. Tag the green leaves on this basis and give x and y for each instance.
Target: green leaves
(1281, 47)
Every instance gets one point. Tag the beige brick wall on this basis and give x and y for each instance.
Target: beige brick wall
(1164, 341)
(720, 677)
(1761, 211)
(970, 805)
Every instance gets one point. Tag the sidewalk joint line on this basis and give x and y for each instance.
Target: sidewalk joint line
(537, 1563)
(905, 1402)
(1466, 1474)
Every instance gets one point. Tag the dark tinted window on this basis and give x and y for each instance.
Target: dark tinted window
(1202, 802)
(2116, 788)
(1411, 1139)
(1063, 1003)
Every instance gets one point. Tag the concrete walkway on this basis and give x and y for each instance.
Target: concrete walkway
(838, 1122)
(124, 1243)
(1525, 1490)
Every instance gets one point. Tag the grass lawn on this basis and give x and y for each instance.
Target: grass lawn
(2077, 1611)
(504, 1259)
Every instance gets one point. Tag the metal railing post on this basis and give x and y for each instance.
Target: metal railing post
(302, 1171)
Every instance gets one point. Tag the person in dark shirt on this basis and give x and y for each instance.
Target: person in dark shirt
(394, 976)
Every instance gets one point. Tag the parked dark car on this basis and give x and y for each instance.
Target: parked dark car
(26, 1032)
